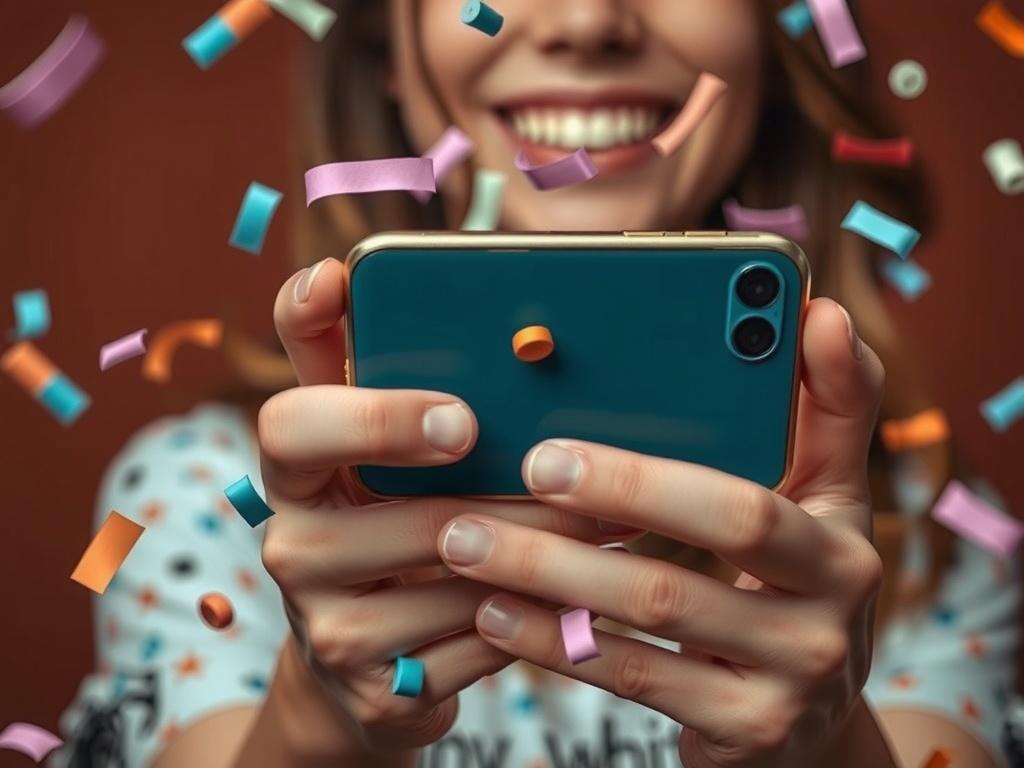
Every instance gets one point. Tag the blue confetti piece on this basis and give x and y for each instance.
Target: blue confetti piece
(908, 278)
(151, 646)
(210, 523)
(208, 43)
(253, 220)
(525, 703)
(795, 19)
(870, 223)
(250, 506)
(943, 615)
(480, 15)
(1005, 407)
(183, 438)
(408, 679)
(64, 399)
(255, 682)
(31, 314)
(119, 686)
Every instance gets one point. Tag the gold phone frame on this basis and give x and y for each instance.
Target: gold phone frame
(658, 240)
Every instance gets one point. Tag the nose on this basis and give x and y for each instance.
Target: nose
(587, 29)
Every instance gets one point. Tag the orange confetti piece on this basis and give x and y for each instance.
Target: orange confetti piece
(203, 333)
(1005, 30)
(216, 610)
(105, 553)
(939, 758)
(926, 428)
(244, 16)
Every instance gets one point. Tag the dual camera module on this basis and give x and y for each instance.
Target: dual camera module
(754, 336)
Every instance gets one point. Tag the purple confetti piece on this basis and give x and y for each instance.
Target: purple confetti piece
(123, 349)
(977, 521)
(393, 174)
(447, 153)
(571, 169)
(29, 740)
(789, 222)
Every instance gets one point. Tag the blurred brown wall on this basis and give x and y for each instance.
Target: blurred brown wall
(121, 205)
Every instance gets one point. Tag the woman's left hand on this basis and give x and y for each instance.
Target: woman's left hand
(771, 665)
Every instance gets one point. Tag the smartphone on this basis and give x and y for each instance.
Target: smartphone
(684, 345)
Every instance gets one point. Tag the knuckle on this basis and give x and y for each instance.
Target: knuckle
(656, 599)
(372, 421)
(336, 644)
(432, 514)
(277, 558)
(271, 426)
(824, 652)
(380, 707)
(529, 560)
(628, 482)
(633, 678)
(762, 726)
(860, 567)
(753, 517)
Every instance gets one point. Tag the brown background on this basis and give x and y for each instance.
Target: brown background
(121, 205)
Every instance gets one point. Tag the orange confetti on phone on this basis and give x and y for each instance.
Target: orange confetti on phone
(203, 333)
(105, 553)
(926, 428)
(1004, 29)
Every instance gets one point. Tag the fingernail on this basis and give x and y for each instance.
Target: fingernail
(447, 428)
(615, 529)
(553, 469)
(856, 345)
(304, 285)
(467, 542)
(500, 620)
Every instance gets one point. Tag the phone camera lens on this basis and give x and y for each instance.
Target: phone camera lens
(757, 287)
(753, 337)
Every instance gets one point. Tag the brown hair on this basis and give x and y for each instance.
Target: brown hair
(349, 116)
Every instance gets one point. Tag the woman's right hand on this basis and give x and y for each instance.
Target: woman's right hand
(352, 573)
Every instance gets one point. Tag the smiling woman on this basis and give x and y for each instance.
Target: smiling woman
(763, 660)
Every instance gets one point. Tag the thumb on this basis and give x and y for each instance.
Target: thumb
(840, 393)
(308, 316)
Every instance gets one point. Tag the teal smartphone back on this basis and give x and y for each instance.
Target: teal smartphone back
(644, 353)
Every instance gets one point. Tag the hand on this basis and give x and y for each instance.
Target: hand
(351, 574)
(771, 665)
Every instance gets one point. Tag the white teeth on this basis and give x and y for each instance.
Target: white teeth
(593, 129)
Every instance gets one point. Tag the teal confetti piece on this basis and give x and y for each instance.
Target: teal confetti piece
(31, 314)
(250, 506)
(480, 15)
(907, 277)
(870, 223)
(1005, 407)
(795, 19)
(408, 679)
(254, 216)
(208, 43)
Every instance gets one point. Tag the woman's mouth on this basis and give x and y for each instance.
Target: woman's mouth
(616, 134)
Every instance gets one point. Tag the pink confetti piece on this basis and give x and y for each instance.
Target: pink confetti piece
(571, 169)
(578, 636)
(838, 33)
(391, 174)
(977, 521)
(705, 94)
(43, 87)
(789, 222)
(124, 348)
(29, 740)
(447, 153)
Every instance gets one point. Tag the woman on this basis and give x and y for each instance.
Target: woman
(776, 636)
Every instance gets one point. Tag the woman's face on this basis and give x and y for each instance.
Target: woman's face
(602, 74)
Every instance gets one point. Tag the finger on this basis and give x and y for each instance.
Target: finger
(651, 595)
(308, 316)
(757, 530)
(358, 545)
(692, 693)
(839, 398)
(306, 433)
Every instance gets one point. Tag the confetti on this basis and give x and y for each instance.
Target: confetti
(412, 174)
(204, 333)
(1005, 407)
(705, 94)
(564, 172)
(447, 153)
(485, 209)
(1005, 162)
(250, 506)
(896, 153)
(1002, 28)
(977, 521)
(313, 18)
(38, 376)
(216, 610)
(939, 758)
(870, 223)
(31, 314)
(926, 428)
(906, 276)
(789, 222)
(578, 636)
(47, 83)
(124, 348)
(234, 22)
(795, 19)
(254, 215)
(29, 740)
(838, 32)
(480, 15)
(408, 679)
(105, 553)
(907, 79)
